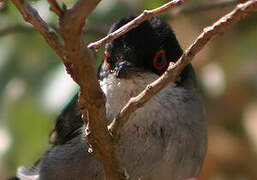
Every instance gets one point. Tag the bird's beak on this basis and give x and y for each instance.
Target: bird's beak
(124, 69)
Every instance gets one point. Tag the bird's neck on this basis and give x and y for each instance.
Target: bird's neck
(118, 91)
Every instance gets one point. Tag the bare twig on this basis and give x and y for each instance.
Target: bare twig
(31, 16)
(54, 6)
(132, 24)
(173, 71)
(189, 8)
(203, 6)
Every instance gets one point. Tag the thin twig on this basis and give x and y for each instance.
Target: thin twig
(203, 6)
(55, 7)
(173, 71)
(31, 16)
(134, 23)
(187, 9)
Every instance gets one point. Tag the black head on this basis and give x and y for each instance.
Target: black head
(150, 46)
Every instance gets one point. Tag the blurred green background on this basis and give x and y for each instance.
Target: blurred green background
(34, 86)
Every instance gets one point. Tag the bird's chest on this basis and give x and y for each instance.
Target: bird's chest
(157, 135)
(144, 136)
(144, 140)
(147, 118)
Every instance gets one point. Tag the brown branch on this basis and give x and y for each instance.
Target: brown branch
(149, 13)
(77, 16)
(173, 71)
(54, 6)
(79, 61)
(31, 16)
(203, 6)
(132, 24)
(92, 100)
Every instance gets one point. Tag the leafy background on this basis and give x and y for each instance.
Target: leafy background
(34, 86)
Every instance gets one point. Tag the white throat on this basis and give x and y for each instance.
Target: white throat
(119, 91)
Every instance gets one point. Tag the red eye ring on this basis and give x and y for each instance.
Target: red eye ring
(160, 54)
(105, 60)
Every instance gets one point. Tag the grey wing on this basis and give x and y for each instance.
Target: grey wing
(67, 124)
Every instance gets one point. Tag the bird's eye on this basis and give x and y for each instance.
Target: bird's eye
(106, 61)
(160, 60)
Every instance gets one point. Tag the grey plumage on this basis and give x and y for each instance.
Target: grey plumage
(165, 139)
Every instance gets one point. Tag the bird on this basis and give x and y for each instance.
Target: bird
(165, 139)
